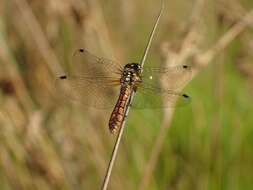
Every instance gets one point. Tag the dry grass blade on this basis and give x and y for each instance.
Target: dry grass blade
(201, 59)
(224, 41)
(113, 157)
(129, 101)
(38, 36)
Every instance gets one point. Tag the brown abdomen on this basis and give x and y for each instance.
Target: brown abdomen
(117, 115)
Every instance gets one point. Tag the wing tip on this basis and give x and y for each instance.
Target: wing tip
(63, 77)
(186, 96)
(186, 67)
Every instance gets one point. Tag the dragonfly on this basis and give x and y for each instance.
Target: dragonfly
(103, 83)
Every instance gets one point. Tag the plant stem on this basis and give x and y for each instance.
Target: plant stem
(128, 105)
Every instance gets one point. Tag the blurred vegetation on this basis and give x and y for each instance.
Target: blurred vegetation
(47, 143)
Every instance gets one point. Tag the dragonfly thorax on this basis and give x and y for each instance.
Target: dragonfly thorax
(131, 74)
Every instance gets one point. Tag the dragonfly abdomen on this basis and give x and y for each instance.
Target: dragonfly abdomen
(118, 113)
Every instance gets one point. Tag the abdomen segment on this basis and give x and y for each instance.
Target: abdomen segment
(118, 113)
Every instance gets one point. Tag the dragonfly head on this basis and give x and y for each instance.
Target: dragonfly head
(133, 66)
(131, 73)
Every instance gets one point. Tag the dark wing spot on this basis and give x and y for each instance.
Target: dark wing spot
(81, 50)
(63, 77)
(185, 66)
(185, 95)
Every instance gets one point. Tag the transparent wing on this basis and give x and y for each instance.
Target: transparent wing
(168, 78)
(91, 81)
(86, 64)
(148, 96)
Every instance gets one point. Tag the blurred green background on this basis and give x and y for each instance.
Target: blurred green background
(47, 143)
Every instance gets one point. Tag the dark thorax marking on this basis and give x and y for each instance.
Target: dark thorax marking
(131, 75)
